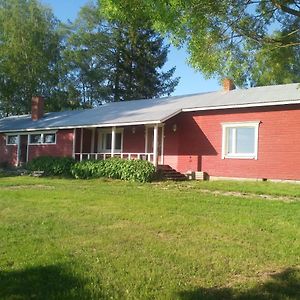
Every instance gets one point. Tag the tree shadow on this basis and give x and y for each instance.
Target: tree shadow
(43, 282)
(283, 285)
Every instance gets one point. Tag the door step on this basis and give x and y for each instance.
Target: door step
(169, 173)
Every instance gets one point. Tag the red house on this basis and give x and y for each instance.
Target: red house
(251, 133)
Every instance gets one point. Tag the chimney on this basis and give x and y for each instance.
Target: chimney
(37, 108)
(228, 85)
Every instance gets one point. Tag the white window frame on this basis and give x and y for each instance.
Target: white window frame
(42, 137)
(225, 126)
(104, 132)
(18, 139)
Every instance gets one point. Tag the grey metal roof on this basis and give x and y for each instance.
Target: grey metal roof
(155, 110)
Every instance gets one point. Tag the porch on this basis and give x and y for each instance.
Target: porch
(144, 142)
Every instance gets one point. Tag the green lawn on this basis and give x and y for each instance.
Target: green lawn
(102, 239)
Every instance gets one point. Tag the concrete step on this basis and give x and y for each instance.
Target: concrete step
(170, 174)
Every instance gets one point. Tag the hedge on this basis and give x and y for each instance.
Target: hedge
(117, 168)
(132, 170)
(52, 166)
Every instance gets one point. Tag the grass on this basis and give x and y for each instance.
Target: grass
(102, 239)
(253, 187)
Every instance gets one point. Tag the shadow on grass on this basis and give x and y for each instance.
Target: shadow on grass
(44, 282)
(284, 285)
(3, 175)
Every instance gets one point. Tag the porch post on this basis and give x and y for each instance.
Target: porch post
(113, 140)
(162, 145)
(74, 142)
(81, 144)
(155, 144)
(146, 139)
(18, 150)
(27, 150)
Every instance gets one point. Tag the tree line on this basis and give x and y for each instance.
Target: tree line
(116, 49)
(253, 42)
(78, 64)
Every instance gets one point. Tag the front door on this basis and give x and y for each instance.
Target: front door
(149, 142)
(23, 149)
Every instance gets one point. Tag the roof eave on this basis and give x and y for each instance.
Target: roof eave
(84, 126)
(245, 105)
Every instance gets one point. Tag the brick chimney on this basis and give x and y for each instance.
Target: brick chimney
(37, 108)
(228, 85)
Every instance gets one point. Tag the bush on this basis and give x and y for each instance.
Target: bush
(53, 166)
(4, 165)
(132, 170)
(88, 169)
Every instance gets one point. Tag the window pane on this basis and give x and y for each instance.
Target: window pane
(245, 140)
(229, 134)
(118, 141)
(35, 138)
(49, 138)
(108, 141)
(12, 139)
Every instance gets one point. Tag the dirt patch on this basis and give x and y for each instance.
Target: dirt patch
(186, 187)
(251, 195)
(25, 187)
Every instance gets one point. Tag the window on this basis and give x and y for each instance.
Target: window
(12, 140)
(42, 138)
(35, 139)
(49, 138)
(106, 141)
(240, 140)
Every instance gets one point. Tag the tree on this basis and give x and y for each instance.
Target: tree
(88, 57)
(224, 38)
(115, 61)
(29, 54)
(140, 56)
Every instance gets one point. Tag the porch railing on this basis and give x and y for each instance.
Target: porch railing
(103, 156)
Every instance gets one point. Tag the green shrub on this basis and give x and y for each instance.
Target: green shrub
(88, 169)
(4, 165)
(132, 170)
(53, 166)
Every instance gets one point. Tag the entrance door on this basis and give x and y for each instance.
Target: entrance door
(149, 142)
(23, 149)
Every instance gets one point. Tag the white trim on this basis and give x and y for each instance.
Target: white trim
(234, 155)
(42, 137)
(27, 154)
(18, 150)
(246, 105)
(104, 131)
(85, 126)
(123, 155)
(241, 124)
(162, 145)
(152, 125)
(74, 143)
(6, 139)
(113, 140)
(155, 145)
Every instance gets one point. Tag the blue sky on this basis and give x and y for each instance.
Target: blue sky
(190, 82)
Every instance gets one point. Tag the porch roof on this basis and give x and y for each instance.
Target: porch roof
(154, 110)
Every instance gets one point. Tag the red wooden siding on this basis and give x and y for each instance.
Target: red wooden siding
(198, 145)
(8, 153)
(134, 141)
(63, 146)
